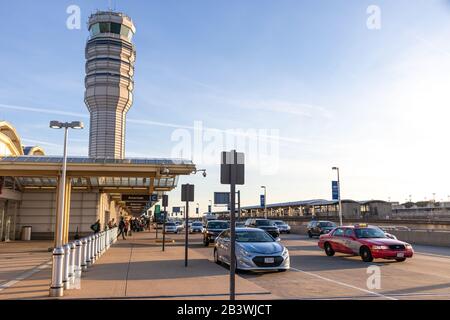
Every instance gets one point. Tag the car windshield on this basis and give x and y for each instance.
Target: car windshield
(170, 224)
(369, 233)
(264, 223)
(197, 224)
(327, 224)
(279, 223)
(218, 225)
(253, 236)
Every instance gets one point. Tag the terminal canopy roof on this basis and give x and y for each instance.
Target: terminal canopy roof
(114, 176)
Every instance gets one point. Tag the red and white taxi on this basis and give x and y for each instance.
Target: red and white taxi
(369, 242)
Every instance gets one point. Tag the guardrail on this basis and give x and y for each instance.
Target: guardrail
(72, 259)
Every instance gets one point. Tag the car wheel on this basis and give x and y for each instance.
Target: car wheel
(289, 232)
(366, 255)
(310, 234)
(400, 259)
(216, 257)
(206, 242)
(329, 250)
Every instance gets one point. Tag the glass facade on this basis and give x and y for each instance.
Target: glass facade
(111, 27)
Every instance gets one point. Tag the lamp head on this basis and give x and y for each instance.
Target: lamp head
(55, 124)
(77, 125)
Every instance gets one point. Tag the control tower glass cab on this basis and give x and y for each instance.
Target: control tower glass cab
(110, 58)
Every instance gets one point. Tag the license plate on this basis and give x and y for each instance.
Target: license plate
(400, 255)
(269, 260)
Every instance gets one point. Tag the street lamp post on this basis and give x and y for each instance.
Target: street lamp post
(265, 201)
(339, 194)
(56, 288)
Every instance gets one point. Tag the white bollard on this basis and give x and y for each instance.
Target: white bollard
(107, 237)
(72, 263)
(83, 262)
(57, 286)
(88, 252)
(92, 249)
(66, 267)
(77, 265)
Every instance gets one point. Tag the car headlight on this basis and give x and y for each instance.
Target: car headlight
(408, 246)
(245, 253)
(285, 252)
(380, 247)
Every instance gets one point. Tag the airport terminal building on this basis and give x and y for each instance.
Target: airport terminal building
(103, 185)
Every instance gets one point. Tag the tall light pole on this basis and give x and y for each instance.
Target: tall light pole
(56, 289)
(265, 201)
(339, 194)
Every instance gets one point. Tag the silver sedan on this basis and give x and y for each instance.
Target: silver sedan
(255, 250)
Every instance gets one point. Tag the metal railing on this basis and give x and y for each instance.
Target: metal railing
(75, 257)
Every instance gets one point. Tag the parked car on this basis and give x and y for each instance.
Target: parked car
(317, 228)
(240, 224)
(282, 226)
(255, 250)
(196, 227)
(213, 229)
(179, 225)
(171, 227)
(265, 224)
(369, 242)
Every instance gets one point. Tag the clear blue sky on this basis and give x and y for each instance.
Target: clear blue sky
(374, 102)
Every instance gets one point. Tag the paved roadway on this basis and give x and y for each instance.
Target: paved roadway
(313, 275)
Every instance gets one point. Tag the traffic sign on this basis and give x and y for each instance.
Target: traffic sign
(222, 198)
(335, 190)
(262, 200)
(230, 159)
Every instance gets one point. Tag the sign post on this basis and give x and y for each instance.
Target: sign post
(232, 173)
(165, 203)
(157, 217)
(187, 195)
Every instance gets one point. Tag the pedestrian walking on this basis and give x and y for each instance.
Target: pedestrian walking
(122, 228)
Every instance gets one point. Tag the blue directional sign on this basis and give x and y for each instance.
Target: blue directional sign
(221, 198)
(262, 200)
(335, 190)
(154, 197)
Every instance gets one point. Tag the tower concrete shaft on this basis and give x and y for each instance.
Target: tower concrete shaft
(110, 58)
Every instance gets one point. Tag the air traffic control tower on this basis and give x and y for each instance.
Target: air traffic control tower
(110, 58)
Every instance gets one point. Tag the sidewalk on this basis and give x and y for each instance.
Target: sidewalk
(136, 268)
(21, 259)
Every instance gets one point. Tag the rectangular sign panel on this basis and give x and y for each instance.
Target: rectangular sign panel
(262, 200)
(335, 190)
(176, 209)
(187, 192)
(228, 160)
(165, 200)
(135, 198)
(221, 198)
